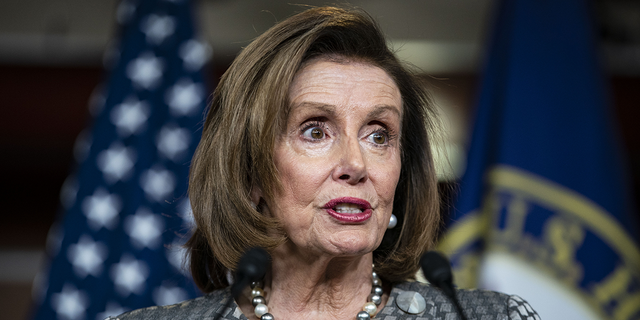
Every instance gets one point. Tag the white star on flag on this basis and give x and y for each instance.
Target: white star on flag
(97, 100)
(125, 11)
(102, 209)
(70, 304)
(157, 28)
(54, 239)
(39, 287)
(194, 54)
(87, 256)
(144, 228)
(111, 56)
(116, 162)
(184, 97)
(146, 70)
(168, 295)
(130, 116)
(129, 275)
(157, 183)
(185, 212)
(176, 254)
(173, 142)
(82, 146)
(68, 191)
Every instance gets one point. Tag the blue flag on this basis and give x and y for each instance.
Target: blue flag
(543, 209)
(126, 213)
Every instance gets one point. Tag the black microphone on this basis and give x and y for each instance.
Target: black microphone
(252, 266)
(437, 270)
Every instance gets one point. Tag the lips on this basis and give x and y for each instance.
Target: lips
(348, 209)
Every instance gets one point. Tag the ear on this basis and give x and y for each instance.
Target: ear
(256, 195)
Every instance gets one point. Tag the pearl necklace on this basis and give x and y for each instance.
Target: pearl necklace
(368, 310)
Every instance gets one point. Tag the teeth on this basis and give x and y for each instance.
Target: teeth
(347, 208)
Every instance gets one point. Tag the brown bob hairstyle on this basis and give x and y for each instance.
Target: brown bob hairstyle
(249, 111)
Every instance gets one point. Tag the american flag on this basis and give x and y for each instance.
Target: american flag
(126, 212)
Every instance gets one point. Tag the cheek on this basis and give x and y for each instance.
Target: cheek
(299, 174)
(386, 177)
(301, 179)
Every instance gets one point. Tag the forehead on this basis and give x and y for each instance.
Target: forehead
(343, 81)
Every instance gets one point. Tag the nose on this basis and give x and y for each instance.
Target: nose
(351, 166)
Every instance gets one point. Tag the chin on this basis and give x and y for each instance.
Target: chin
(353, 246)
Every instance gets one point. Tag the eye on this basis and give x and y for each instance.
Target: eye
(378, 137)
(313, 133)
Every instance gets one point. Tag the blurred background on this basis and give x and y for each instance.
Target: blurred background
(51, 60)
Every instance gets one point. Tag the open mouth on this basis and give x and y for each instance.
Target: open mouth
(348, 209)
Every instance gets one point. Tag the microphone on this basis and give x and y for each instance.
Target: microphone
(252, 266)
(437, 270)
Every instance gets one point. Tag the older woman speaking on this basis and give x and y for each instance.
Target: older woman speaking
(316, 147)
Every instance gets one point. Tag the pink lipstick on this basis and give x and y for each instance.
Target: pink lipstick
(349, 209)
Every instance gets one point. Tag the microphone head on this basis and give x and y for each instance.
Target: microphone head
(252, 266)
(436, 269)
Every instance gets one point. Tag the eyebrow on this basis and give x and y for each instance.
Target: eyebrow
(380, 109)
(329, 108)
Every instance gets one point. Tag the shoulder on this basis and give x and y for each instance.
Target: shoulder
(480, 304)
(206, 306)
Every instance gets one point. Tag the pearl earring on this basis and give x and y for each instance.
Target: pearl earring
(392, 221)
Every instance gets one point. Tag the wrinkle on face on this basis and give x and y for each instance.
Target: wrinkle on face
(351, 101)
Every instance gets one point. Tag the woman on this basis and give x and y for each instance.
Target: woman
(316, 148)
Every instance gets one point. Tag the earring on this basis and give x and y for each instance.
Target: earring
(392, 221)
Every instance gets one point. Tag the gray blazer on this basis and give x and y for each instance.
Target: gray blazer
(477, 304)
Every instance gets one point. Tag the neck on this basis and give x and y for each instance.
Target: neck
(316, 287)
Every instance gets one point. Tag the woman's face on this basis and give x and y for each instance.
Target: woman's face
(339, 158)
